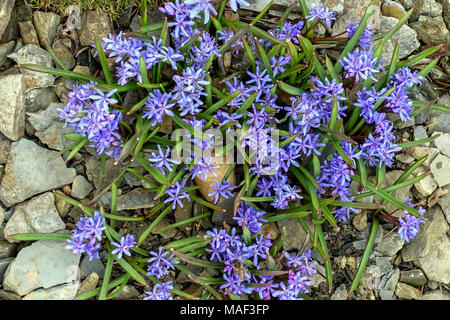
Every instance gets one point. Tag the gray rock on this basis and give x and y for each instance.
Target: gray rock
(444, 203)
(404, 158)
(443, 144)
(391, 280)
(64, 54)
(426, 186)
(93, 170)
(53, 136)
(90, 283)
(428, 238)
(436, 295)
(168, 234)
(414, 278)
(360, 221)
(136, 199)
(436, 265)
(62, 292)
(94, 23)
(38, 99)
(12, 121)
(386, 294)
(433, 285)
(2, 215)
(28, 172)
(317, 279)
(95, 265)
(81, 187)
(440, 168)
(390, 244)
(6, 8)
(353, 10)
(44, 264)
(35, 55)
(128, 293)
(7, 249)
(4, 263)
(419, 134)
(405, 37)
(393, 9)
(39, 215)
(295, 235)
(340, 293)
(7, 295)
(405, 291)
(5, 49)
(46, 24)
(28, 33)
(5, 146)
(419, 152)
(45, 118)
(431, 30)
(402, 124)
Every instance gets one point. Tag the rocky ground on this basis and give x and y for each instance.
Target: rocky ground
(30, 136)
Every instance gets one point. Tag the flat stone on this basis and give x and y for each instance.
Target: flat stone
(419, 134)
(405, 158)
(393, 9)
(90, 283)
(39, 215)
(419, 152)
(45, 118)
(7, 249)
(444, 203)
(136, 199)
(7, 295)
(62, 292)
(5, 146)
(38, 99)
(360, 221)
(2, 215)
(387, 295)
(431, 30)
(5, 49)
(81, 187)
(440, 168)
(28, 172)
(405, 291)
(436, 265)
(406, 38)
(426, 186)
(12, 121)
(353, 10)
(28, 33)
(295, 235)
(4, 263)
(340, 293)
(428, 238)
(33, 54)
(53, 136)
(94, 24)
(6, 8)
(128, 293)
(95, 265)
(414, 278)
(392, 279)
(436, 295)
(46, 24)
(64, 54)
(93, 170)
(168, 234)
(443, 144)
(390, 245)
(44, 264)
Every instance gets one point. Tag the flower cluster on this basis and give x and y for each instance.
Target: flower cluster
(87, 236)
(409, 225)
(124, 246)
(240, 258)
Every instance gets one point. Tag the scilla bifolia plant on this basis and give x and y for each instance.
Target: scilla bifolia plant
(331, 124)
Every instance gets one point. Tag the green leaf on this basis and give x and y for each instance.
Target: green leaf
(156, 174)
(38, 236)
(279, 217)
(149, 229)
(106, 277)
(103, 62)
(152, 27)
(418, 142)
(55, 58)
(365, 258)
(131, 271)
(196, 261)
(293, 91)
(61, 73)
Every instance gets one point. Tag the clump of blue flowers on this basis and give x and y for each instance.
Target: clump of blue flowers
(308, 130)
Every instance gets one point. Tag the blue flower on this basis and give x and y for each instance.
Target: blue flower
(124, 246)
(160, 263)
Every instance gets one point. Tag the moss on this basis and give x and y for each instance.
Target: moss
(113, 8)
